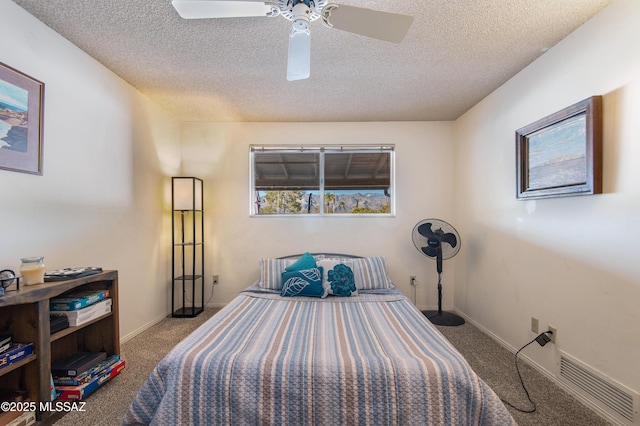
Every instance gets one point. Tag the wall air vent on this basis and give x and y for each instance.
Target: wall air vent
(614, 399)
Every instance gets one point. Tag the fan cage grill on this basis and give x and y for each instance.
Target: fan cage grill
(420, 240)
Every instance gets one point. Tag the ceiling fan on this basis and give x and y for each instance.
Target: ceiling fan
(371, 23)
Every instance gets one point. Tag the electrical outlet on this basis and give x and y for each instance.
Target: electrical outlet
(412, 280)
(215, 279)
(534, 325)
(554, 334)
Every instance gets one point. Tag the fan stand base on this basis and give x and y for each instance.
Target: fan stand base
(443, 318)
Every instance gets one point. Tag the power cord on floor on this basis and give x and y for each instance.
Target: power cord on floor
(542, 340)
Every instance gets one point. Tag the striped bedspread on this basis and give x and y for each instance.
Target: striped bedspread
(266, 360)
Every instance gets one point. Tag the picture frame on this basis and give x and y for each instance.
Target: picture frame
(561, 155)
(21, 121)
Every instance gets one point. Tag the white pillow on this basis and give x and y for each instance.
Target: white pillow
(271, 272)
(371, 273)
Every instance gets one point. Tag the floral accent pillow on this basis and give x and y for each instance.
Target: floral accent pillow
(307, 282)
(338, 278)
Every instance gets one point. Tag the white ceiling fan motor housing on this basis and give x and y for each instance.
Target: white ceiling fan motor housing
(300, 18)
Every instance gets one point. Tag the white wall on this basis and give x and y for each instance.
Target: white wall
(219, 153)
(106, 152)
(571, 262)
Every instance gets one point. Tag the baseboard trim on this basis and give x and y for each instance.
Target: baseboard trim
(141, 329)
(550, 375)
(155, 321)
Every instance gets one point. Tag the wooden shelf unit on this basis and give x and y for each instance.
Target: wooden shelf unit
(25, 314)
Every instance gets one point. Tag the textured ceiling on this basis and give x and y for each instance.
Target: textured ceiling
(455, 53)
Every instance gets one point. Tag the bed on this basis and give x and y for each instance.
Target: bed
(265, 359)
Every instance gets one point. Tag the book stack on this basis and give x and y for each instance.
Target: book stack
(80, 374)
(82, 307)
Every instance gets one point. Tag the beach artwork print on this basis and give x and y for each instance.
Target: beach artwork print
(14, 117)
(20, 122)
(558, 155)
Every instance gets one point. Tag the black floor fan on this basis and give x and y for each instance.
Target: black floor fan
(438, 240)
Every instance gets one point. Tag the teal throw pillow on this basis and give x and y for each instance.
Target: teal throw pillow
(307, 282)
(306, 261)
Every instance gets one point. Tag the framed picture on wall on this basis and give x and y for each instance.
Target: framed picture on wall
(561, 154)
(21, 120)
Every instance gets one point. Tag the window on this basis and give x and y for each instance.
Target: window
(322, 180)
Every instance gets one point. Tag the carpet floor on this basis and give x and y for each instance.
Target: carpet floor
(493, 363)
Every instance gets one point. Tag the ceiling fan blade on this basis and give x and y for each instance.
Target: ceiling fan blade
(367, 22)
(299, 63)
(203, 9)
